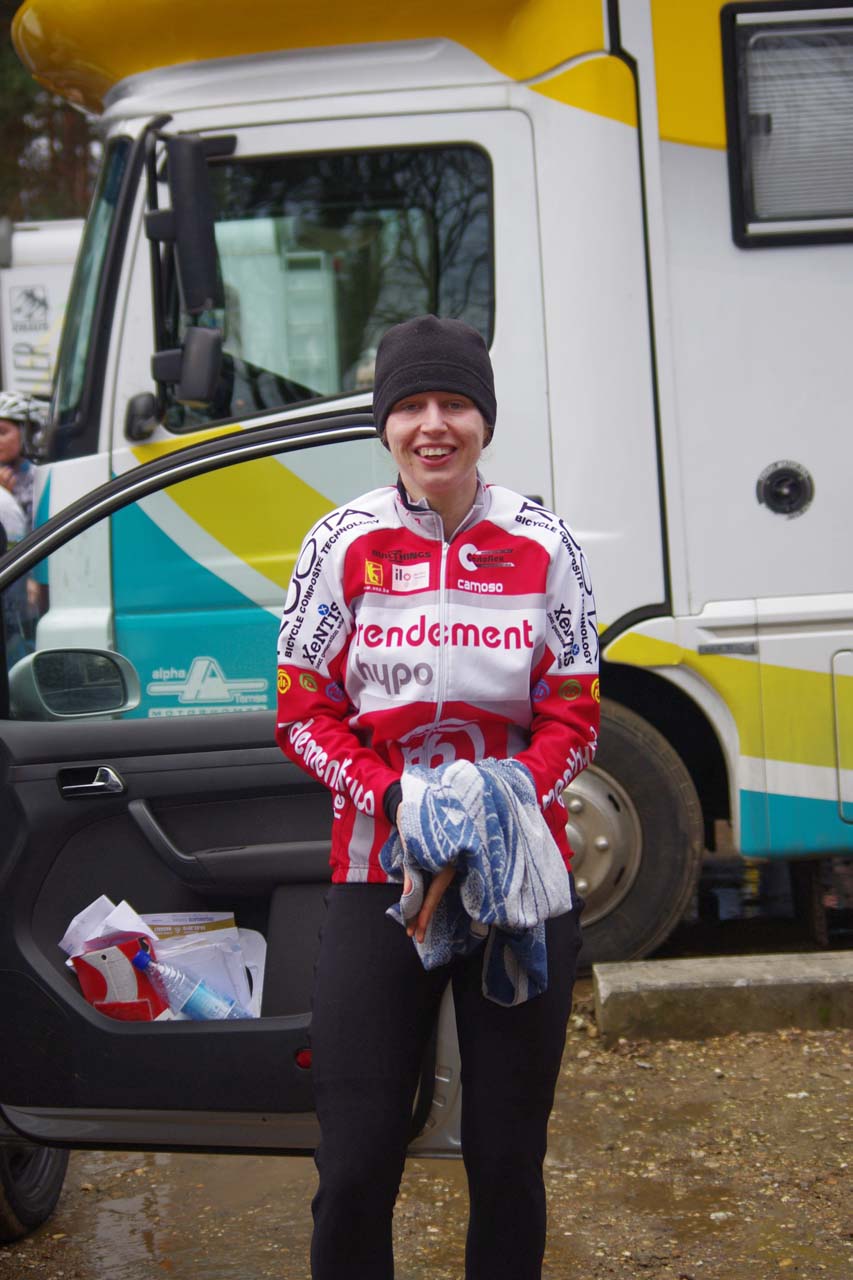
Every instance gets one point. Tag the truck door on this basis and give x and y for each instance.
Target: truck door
(326, 234)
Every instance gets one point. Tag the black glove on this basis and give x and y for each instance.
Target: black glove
(392, 800)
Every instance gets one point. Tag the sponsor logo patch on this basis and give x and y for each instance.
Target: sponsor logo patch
(411, 577)
(331, 621)
(569, 690)
(471, 558)
(435, 634)
(393, 676)
(308, 682)
(283, 682)
(480, 588)
(399, 557)
(595, 690)
(373, 574)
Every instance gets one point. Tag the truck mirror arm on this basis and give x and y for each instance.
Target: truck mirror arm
(187, 230)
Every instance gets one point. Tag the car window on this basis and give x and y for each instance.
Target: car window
(187, 584)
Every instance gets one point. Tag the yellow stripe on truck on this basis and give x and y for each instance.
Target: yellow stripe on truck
(689, 71)
(797, 704)
(81, 49)
(737, 682)
(258, 511)
(160, 448)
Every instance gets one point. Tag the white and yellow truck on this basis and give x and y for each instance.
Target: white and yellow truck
(36, 263)
(646, 207)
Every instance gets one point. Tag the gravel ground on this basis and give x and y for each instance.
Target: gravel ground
(668, 1161)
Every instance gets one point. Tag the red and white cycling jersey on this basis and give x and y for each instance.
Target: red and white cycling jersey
(399, 648)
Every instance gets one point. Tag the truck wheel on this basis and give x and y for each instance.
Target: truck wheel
(635, 825)
(31, 1179)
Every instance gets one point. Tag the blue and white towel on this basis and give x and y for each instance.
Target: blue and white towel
(510, 875)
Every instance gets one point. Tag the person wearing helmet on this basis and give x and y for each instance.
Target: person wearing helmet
(16, 472)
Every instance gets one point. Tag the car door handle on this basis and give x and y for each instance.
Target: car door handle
(99, 780)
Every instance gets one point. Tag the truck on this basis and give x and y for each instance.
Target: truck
(640, 205)
(646, 208)
(36, 263)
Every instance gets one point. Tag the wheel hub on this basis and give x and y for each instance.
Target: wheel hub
(605, 834)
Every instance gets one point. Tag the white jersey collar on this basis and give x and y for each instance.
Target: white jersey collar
(418, 515)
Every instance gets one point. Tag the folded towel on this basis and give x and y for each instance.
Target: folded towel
(510, 874)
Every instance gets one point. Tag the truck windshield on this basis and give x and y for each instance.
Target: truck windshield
(77, 334)
(319, 254)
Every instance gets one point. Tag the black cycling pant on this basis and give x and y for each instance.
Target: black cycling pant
(374, 1009)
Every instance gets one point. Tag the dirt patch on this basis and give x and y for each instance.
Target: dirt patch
(703, 1159)
(671, 1160)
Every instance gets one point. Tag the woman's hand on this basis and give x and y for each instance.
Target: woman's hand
(417, 928)
(7, 478)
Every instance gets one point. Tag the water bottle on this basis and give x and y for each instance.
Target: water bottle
(185, 994)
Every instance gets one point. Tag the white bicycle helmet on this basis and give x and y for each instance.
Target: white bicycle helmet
(15, 407)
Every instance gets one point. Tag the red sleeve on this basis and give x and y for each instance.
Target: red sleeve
(312, 725)
(565, 692)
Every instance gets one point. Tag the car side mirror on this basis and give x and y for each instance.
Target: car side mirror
(71, 684)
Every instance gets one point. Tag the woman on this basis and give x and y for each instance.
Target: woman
(436, 620)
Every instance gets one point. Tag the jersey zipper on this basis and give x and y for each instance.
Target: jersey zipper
(441, 680)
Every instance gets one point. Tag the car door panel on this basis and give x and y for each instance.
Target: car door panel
(68, 851)
(201, 811)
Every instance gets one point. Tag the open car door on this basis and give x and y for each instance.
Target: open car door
(151, 775)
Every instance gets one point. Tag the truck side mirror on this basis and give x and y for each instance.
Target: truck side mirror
(194, 367)
(192, 215)
(189, 227)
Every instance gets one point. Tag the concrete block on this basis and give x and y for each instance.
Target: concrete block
(711, 996)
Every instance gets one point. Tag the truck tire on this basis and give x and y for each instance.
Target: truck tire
(31, 1179)
(635, 825)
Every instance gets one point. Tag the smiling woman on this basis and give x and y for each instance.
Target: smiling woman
(445, 668)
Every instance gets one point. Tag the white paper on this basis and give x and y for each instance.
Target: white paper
(83, 923)
(123, 919)
(103, 923)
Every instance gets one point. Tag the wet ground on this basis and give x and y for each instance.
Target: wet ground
(672, 1161)
(679, 1161)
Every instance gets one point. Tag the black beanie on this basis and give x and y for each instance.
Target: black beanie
(428, 354)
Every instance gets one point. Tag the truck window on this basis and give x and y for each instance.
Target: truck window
(319, 254)
(790, 107)
(78, 329)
